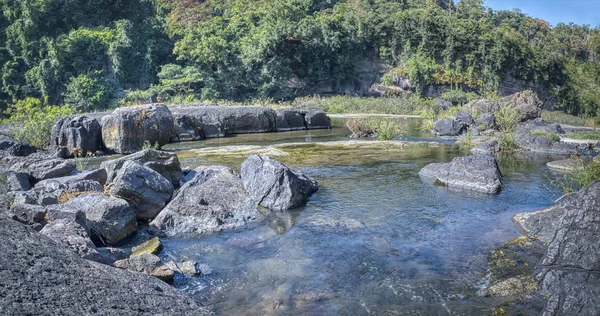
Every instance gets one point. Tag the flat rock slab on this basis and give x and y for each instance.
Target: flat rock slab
(565, 165)
(478, 173)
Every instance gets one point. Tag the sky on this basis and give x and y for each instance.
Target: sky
(554, 11)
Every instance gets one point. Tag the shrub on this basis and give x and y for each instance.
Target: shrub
(580, 176)
(552, 136)
(149, 145)
(507, 141)
(90, 92)
(361, 127)
(466, 140)
(35, 121)
(585, 135)
(458, 96)
(387, 130)
(427, 125)
(564, 118)
(507, 118)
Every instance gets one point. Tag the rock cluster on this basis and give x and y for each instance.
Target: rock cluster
(476, 173)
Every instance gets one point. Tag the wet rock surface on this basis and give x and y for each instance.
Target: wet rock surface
(126, 129)
(78, 133)
(40, 277)
(274, 185)
(476, 173)
(213, 200)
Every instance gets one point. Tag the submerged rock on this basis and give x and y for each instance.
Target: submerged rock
(126, 129)
(39, 277)
(449, 127)
(165, 163)
(476, 173)
(213, 200)
(80, 133)
(275, 186)
(146, 190)
(152, 246)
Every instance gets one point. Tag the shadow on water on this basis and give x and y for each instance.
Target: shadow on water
(375, 239)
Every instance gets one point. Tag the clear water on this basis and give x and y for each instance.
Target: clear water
(375, 239)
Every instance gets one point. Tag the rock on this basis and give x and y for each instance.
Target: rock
(465, 118)
(60, 190)
(110, 219)
(487, 148)
(205, 172)
(542, 224)
(275, 186)
(28, 197)
(97, 175)
(213, 200)
(148, 264)
(187, 128)
(39, 277)
(516, 288)
(65, 211)
(29, 214)
(449, 127)
(443, 104)
(16, 148)
(526, 139)
(565, 164)
(289, 119)
(526, 102)
(146, 190)
(17, 181)
(316, 119)
(165, 163)
(189, 268)
(476, 173)
(41, 167)
(483, 106)
(152, 246)
(76, 133)
(126, 129)
(220, 121)
(568, 273)
(486, 121)
(73, 236)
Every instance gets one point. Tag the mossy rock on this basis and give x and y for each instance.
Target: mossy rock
(516, 288)
(152, 246)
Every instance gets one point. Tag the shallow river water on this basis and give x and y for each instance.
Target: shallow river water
(375, 239)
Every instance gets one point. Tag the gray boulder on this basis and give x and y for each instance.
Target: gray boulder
(486, 121)
(146, 190)
(482, 106)
(55, 193)
(73, 236)
(476, 173)
(275, 186)
(487, 148)
(569, 272)
(17, 181)
(41, 167)
(40, 277)
(220, 121)
(316, 119)
(149, 264)
(66, 211)
(187, 128)
(16, 148)
(449, 127)
(465, 118)
(126, 129)
(29, 214)
(527, 138)
(213, 200)
(289, 119)
(165, 163)
(76, 133)
(526, 102)
(110, 219)
(542, 224)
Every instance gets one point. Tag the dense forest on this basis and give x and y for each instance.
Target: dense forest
(95, 54)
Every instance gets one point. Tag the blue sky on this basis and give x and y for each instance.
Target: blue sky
(554, 11)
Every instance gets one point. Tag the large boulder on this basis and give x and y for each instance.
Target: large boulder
(289, 119)
(51, 191)
(213, 200)
(275, 186)
(465, 118)
(39, 277)
(187, 128)
(72, 236)
(165, 163)
(16, 148)
(80, 134)
(127, 129)
(110, 219)
(526, 102)
(536, 136)
(476, 173)
(482, 106)
(31, 215)
(487, 148)
(146, 190)
(17, 181)
(41, 167)
(569, 272)
(449, 127)
(486, 121)
(220, 121)
(316, 119)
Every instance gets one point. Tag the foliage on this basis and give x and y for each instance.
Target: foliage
(458, 96)
(361, 127)
(344, 104)
(149, 145)
(427, 125)
(385, 129)
(595, 135)
(388, 130)
(35, 120)
(552, 136)
(507, 118)
(564, 118)
(582, 175)
(90, 92)
(466, 140)
(507, 142)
